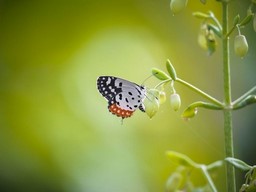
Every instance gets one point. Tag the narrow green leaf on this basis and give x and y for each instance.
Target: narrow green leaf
(215, 165)
(160, 74)
(246, 20)
(247, 101)
(189, 113)
(239, 164)
(215, 29)
(200, 15)
(181, 159)
(171, 70)
(192, 109)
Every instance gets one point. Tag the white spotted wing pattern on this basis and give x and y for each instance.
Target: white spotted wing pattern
(123, 96)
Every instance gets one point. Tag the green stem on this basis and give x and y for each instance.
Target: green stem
(229, 149)
(205, 95)
(208, 178)
(162, 83)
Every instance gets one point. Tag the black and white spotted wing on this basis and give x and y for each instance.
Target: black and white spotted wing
(123, 96)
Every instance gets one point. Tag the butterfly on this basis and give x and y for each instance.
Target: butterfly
(123, 96)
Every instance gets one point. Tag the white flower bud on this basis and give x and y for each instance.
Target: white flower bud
(178, 5)
(240, 46)
(175, 101)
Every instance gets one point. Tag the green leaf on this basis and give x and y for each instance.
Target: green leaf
(181, 159)
(251, 99)
(192, 109)
(200, 15)
(215, 165)
(239, 164)
(246, 20)
(215, 29)
(171, 70)
(189, 113)
(160, 74)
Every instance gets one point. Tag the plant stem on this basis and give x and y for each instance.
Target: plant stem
(208, 178)
(192, 87)
(205, 95)
(228, 131)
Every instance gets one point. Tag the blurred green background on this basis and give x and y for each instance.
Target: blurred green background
(56, 133)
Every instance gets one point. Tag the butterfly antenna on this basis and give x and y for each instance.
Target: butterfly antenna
(147, 79)
(151, 94)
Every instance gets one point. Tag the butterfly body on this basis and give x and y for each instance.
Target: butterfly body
(123, 96)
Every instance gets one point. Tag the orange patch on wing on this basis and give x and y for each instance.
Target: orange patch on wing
(119, 112)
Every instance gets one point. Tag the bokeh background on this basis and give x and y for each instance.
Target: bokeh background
(56, 133)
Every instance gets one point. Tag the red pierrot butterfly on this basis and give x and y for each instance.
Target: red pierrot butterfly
(123, 96)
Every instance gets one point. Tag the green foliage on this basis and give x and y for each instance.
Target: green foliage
(187, 164)
(160, 74)
(171, 70)
(211, 28)
(239, 164)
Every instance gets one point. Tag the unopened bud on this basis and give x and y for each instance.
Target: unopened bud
(175, 101)
(240, 46)
(207, 39)
(162, 97)
(178, 5)
(174, 181)
(151, 103)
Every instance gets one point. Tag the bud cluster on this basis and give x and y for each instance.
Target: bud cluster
(157, 96)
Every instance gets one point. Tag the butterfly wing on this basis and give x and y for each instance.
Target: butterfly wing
(123, 96)
(107, 88)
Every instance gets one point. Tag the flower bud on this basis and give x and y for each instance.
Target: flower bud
(175, 101)
(178, 5)
(151, 103)
(236, 20)
(207, 39)
(174, 182)
(244, 188)
(162, 97)
(240, 46)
